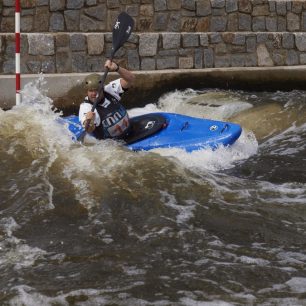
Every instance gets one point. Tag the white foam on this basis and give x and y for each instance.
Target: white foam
(184, 212)
(14, 252)
(215, 160)
(297, 284)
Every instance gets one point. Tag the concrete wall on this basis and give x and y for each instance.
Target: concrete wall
(67, 90)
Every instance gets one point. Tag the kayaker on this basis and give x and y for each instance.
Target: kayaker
(110, 118)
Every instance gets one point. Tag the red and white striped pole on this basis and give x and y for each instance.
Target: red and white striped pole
(17, 52)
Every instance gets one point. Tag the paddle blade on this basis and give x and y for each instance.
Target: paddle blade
(121, 31)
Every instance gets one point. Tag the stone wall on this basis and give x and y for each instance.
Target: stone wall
(74, 35)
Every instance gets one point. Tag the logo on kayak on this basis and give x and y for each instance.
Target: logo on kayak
(149, 125)
(213, 128)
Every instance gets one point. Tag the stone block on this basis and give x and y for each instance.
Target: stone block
(239, 39)
(166, 63)
(171, 40)
(281, 24)
(292, 58)
(74, 4)
(111, 4)
(250, 44)
(288, 41)
(91, 25)
(63, 61)
(147, 10)
(160, 21)
(244, 22)
(218, 11)
(303, 21)
(215, 38)
(222, 61)
(174, 24)
(133, 60)
(34, 66)
(293, 22)
(300, 41)
(263, 56)
(41, 44)
(250, 60)
(41, 19)
(198, 58)
(237, 60)
(218, 24)
(271, 24)
(279, 57)
(95, 64)
(62, 41)
(259, 24)
(26, 24)
(9, 66)
(190, 40)
(57, 23)
(204, 39)
(203, 8)
(231, 6)
(220, 48)
(208, 58)
(95, 43)
(98, 12)
(281, 8)
(48, 65)
(57, 5)
(72, 20)
(217, 3)
(303, 58)
(174, 4)
(148, 64)
(41, 2)
(244, 6)
(160, 5)
(172, 52)
(185, 62)
(132, 10)
(189, 4)
(189, 24)
(78, 42)
(91, 2)
(232, 22)
(261, 10)
(78, 62)
(203, 24)
(145, 24)
(148, 44)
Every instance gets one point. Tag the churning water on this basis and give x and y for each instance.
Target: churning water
(97, 224)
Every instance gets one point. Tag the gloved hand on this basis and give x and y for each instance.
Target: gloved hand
(112, 66)
(89, 122)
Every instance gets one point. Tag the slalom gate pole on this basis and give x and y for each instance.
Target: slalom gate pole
(17, 51)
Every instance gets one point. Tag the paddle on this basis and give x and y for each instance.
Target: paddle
(121, 32)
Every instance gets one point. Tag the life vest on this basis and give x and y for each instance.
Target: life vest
(115, 121)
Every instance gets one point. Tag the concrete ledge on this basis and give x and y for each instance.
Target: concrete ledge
(67, 92)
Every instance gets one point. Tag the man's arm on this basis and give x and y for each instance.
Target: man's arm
(126, 77)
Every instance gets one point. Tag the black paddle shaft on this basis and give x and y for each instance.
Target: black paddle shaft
(121, 32)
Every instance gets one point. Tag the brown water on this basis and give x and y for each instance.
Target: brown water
(97, 224)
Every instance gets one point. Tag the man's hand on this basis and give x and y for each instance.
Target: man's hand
(111, 66)
(89, 123)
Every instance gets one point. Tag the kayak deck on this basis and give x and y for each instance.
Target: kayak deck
(168, 130)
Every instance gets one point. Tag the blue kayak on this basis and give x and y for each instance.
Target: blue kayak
(168, 130)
